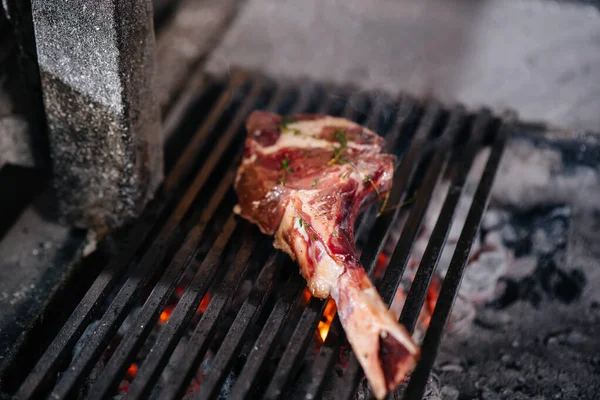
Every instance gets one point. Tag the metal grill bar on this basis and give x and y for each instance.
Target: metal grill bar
(405, 117)
(198, 343)
(391, 280)
(262, 348)
(200, 140)
(380, 121)
(240, 326)
(301, 337)
(404, 174)
(412, 161)
(173, 329)
(49, 363)
(449, 290)
(402, 121)
(420, 285)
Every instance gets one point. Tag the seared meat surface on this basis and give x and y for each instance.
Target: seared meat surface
(304, 179)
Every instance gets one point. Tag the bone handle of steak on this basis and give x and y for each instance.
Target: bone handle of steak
(382, 346)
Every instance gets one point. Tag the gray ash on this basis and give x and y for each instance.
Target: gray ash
(537, 337)
(539, 236)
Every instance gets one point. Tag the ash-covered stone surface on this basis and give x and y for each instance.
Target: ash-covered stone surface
(35, 255)
(538, 337)
(96, 63)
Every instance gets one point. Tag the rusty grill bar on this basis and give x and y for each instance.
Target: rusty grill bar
(188, 234)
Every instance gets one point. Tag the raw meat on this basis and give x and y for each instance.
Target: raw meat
(304, 179)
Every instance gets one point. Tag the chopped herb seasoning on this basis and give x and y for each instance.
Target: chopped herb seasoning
(390, 208)
(336, 234)
(285, 164)
(338, 151)
(346, 175)
(306, 226)
(284, 126)
(368, 179)
(340, 136)
(315, 183)
(285, 168)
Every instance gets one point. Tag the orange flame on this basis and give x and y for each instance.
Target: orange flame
(428, 307)
(326, 319)
(166, 313)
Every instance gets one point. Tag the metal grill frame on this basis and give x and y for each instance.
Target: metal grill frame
(431, 148)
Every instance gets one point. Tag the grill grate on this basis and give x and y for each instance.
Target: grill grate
(188, 237)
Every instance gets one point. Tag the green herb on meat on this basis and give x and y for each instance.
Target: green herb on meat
(368, 179)
(338, 151)
(315, 183)
(284, 126)
(384, 209)
(284, 123)
(285, 168)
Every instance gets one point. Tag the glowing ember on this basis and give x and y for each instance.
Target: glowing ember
(123, 387)
(326, 319)
(382, 262)
(428, 307)
(430, 300)
(194, 386)
(132, 371)
(204, 303)
(166, 314)
(305, 296)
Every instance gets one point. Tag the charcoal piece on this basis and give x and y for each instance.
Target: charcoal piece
(547, 281)
(538, 231)
(96, 62)
(565, 286)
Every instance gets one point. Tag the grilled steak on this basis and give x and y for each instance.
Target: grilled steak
(304, 179)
